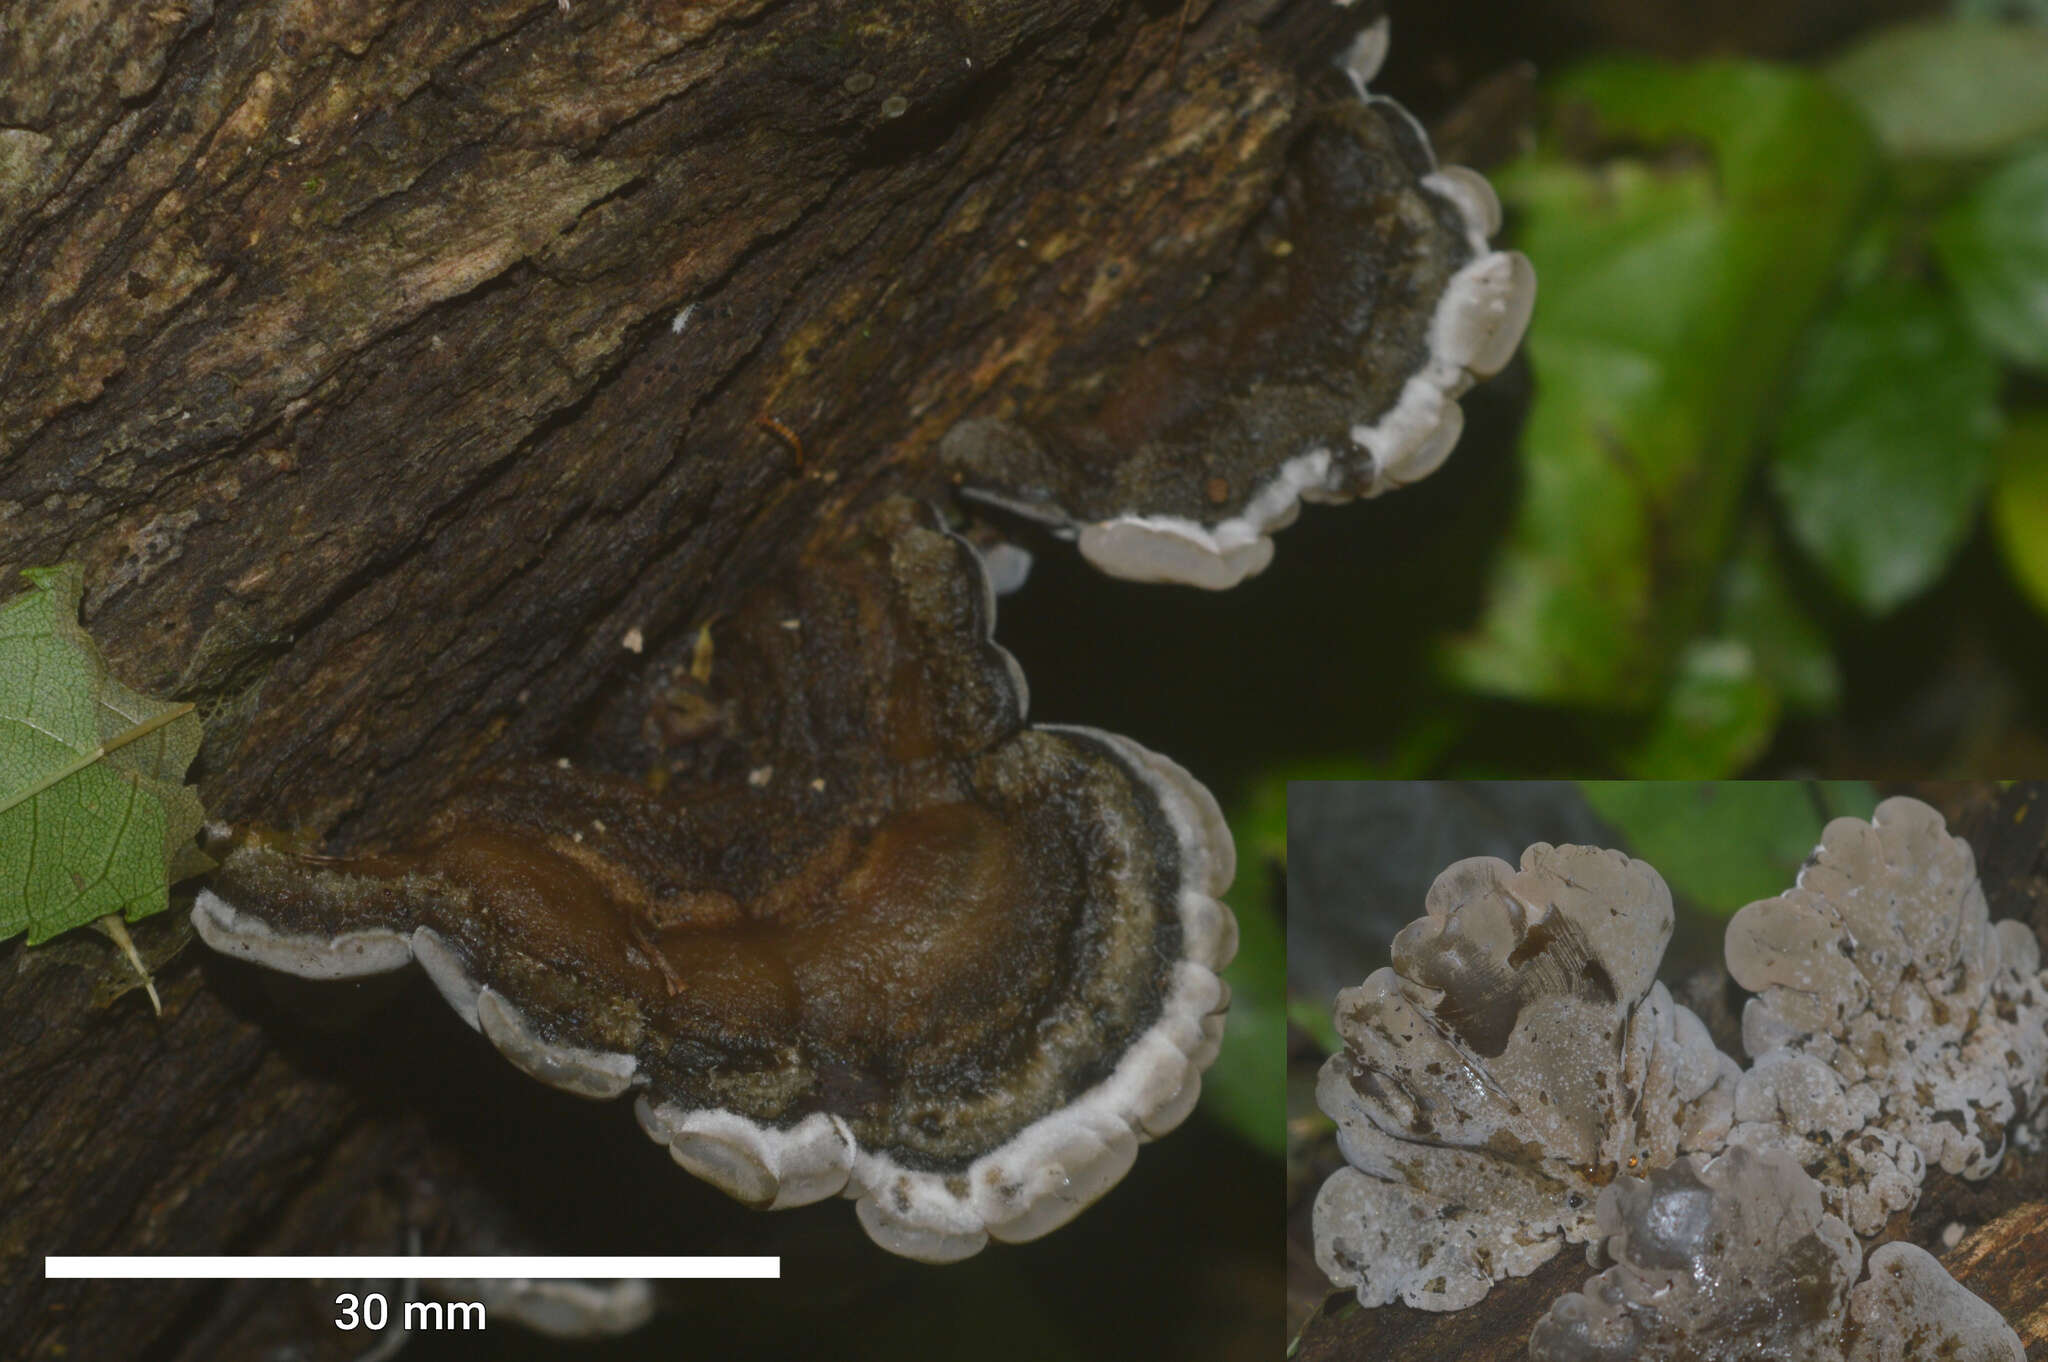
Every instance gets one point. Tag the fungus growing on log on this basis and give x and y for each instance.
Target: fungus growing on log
(1323, 363)
(1517, 1056)
(1737, 1257)
(1894, 1024)
(897, 945)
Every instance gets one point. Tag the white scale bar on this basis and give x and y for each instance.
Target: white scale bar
(408, 1266)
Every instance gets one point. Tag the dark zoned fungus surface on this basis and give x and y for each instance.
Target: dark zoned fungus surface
(1323, 363)
(911, 949)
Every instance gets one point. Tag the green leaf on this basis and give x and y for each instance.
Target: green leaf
(1246, 1088)
(94, 812)
(2028, 11)
(1723, 844)
(1994, 245)
(1884, 448)
(1675, 282)
(1758, 607)
(1716, 718)
(2019, 504)
(1953, 90)
(1766, 655)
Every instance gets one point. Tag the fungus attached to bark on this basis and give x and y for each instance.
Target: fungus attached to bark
(1324, 363)
(1737, 1257)
(1518, 1055)
(1894, 1025)
(937, 960)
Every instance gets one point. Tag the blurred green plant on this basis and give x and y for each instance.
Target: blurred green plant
(1723, 844)
(1788, 323)
(1246, 1088)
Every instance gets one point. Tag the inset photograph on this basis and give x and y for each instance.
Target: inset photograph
(1584, 1071)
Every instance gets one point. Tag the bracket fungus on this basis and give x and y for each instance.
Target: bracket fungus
(1894, 1024)
(1517, 1056)
(1737, 1258)
(939, 961)
(1324, 362)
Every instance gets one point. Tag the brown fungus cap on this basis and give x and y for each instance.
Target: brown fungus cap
(1323, 363)
(1517, 1056)
(1894, 1024)
(899, 946)
(1736, 1259)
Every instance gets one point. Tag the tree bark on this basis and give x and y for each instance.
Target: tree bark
(387, 364)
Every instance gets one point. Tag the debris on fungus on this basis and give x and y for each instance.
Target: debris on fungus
(1736, 1257)
(947, 964)
(1894, 1024)
(1517, 1056)
(1324, 364)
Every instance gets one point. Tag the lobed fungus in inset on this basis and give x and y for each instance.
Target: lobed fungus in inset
(1518, 1056)
(1736, 1257)
(1324, 363)
(1894, 1025)
(896, 945)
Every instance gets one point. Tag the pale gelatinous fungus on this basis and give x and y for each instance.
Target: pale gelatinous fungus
(1894, 1024)
(1517, 1056)
(1324, 363)
(896, 944)
(1736, 1258)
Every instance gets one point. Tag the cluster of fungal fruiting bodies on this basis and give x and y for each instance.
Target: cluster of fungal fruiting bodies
(885, 939)
(1517, 1081)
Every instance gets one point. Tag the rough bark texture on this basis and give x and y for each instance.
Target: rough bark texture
(386, 364)
(2005, 1217)
(343, 348)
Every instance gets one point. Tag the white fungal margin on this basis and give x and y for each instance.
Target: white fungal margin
(587, 1073)
(1478, 323)
(1367, 53)
(559, 1309)
(246, 937)
(1008, 567)
(1032, 1183)
(1051, 1170)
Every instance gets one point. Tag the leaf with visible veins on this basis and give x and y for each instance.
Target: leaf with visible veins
(95, 817)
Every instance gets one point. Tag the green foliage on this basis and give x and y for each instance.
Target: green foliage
(1675, 282)
(1246, 1088)
(1759, 608)
(1717, 715)
(2019, 506)
(1722, 845)
(1994, 245)
(1884, 448)
(95, 817)
(1955, 90)
(1740, 263)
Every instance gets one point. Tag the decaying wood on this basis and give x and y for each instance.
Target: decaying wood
(2003, 1220)
(387, 364)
